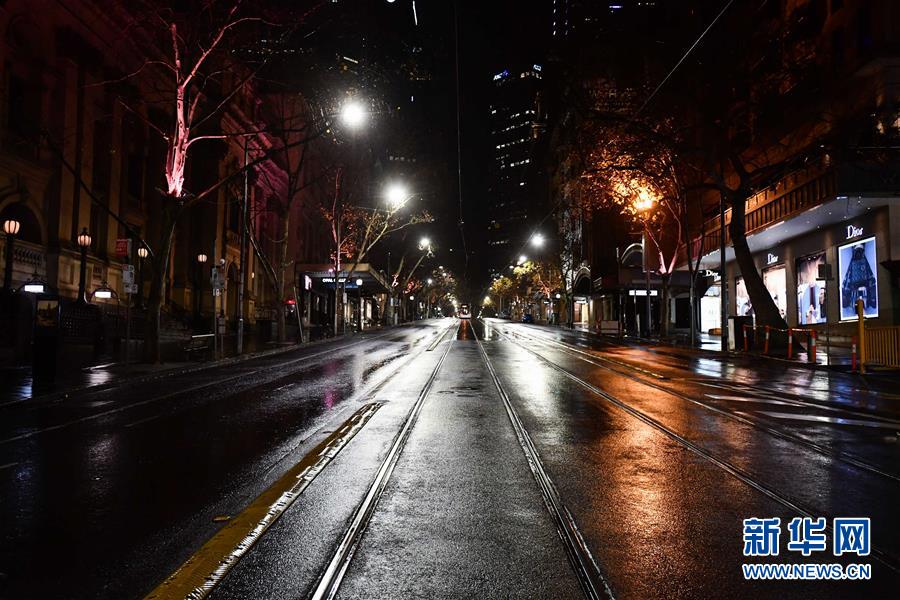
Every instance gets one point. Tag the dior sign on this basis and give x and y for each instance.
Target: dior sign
(854, 231)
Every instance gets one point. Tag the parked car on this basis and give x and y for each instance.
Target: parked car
(528, 318)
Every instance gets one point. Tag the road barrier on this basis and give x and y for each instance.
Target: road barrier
(811, 338)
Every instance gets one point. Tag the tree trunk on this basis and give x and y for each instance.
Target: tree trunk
(663, 306)
(763, 305)
(157, 284)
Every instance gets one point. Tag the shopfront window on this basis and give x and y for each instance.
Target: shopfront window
(775, 280)
(858, 279)
(742, 298)
(810, 291)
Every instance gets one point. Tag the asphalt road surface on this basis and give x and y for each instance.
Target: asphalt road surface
(447, 459)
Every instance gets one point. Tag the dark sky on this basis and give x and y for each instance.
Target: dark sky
(491, 34)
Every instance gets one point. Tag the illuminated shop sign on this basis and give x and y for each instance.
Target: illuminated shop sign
(853, 231)
(771, 259)
(858, 278)
(501, 75)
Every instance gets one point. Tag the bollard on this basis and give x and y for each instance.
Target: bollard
(746, 339)
(790, 343)
(812, 346)
(766, 343)
(853, 355)
(861, 316)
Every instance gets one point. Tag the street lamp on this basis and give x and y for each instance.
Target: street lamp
(353, 114)
(10, 228)
(644, 202)
(425, 244)
(522, 259)
(84, 240)
(142, 253)
(537, 240)
(201, 260)
(396, 195)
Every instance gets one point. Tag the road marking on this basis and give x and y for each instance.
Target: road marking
(201, 572)
(141, 421)
(831, 420)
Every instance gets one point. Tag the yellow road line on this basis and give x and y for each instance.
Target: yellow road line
(201, 572)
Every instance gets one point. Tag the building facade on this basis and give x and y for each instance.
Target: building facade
(75, 158)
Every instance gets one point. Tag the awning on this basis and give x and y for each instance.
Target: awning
(321, 276)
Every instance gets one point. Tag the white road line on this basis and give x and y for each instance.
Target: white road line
(831, 420)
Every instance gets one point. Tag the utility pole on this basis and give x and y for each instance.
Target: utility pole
(242, 273)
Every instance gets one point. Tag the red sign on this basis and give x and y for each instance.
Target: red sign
(123, 247)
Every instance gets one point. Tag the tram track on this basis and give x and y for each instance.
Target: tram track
(886, 558)
(331, 578)
(840, 455)
(587, 571)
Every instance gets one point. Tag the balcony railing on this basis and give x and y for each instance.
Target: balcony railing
(767, 208)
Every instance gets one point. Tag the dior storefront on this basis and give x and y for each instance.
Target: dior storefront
(796, 258)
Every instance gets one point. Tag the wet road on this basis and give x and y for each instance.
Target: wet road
(445, 459)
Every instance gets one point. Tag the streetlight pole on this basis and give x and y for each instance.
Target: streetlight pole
(243, 269)
(201, 260)
(142, 254)
(647, 273)
(84, 240)
(10, 228)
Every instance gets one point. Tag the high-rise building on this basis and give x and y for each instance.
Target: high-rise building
(516, 191)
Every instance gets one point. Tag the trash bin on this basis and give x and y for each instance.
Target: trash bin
(736, 332)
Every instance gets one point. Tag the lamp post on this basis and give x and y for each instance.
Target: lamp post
(84, 241)
(201, 260)
(10, 228)
(359, 284)
(142, 254)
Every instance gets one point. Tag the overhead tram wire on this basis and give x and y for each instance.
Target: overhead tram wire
(646, 102)
(462, 224)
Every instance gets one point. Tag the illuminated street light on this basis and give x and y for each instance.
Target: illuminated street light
(353, 115)
(430, 281)
(396, 195)
(645, 200)
(84, 240)
(425, 243)
(10, 228)
(537, 240)
(522, 259)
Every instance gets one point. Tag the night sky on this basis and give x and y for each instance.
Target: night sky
(491, 35)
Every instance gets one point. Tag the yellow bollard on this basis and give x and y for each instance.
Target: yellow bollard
(860, 312)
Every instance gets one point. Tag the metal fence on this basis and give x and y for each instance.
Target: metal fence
(883, 346)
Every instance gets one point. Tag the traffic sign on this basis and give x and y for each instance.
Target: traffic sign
(128, 274)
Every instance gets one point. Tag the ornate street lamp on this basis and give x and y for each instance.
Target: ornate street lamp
(201, 260)
(84, 241)
(10, 228)
(142, 253)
